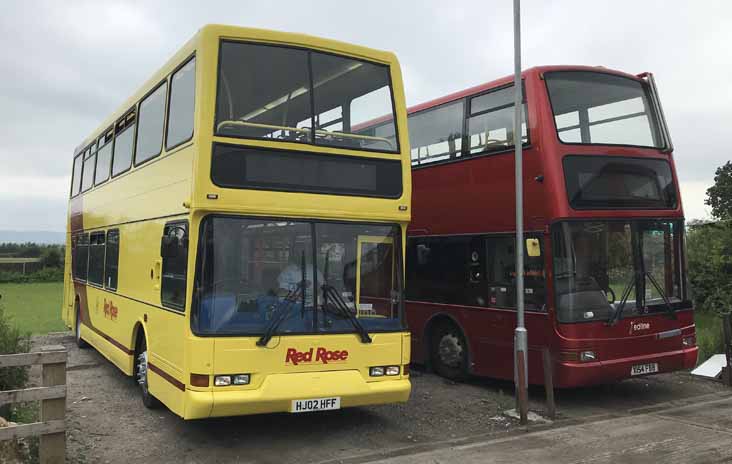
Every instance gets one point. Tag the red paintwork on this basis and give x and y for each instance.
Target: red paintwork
(477, 196)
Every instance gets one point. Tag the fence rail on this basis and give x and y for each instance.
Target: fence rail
(52, 394)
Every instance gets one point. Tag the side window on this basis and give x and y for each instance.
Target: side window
(490, 124)
(96, 258)
(174, 251)
(74, 261)
(123, 142)
(111, 261)
(81, 257)
(90, 159)
(76, 175)
(501, 272)
(180, 113)
(150, 128)
(436, 134)
(104, 157)
(438, 269)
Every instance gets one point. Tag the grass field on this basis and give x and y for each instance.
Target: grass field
(35, 307)
(708, 334)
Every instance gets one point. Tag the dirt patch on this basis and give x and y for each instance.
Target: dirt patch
(108, 423)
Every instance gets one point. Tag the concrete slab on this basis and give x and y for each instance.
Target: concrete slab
(697, 433)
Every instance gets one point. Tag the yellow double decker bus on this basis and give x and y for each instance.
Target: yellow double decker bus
(236, 240)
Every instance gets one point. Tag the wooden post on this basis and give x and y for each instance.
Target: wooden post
(523, 394)
(52, 449)
(549, 383)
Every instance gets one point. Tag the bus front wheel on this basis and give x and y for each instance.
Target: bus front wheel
(141, 374)
(449, 352)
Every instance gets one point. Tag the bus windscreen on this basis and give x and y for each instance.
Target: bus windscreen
(253, 271)
(297, 95)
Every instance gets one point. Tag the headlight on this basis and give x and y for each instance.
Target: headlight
(586, 356)
(392, 370)
(376, 371)
(222, 380)
(241, 379)
(689, 341)
(236, 379)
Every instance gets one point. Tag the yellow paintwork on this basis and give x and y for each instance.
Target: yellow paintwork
(175, 185)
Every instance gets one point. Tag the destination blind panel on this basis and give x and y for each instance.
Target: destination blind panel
(292, 171)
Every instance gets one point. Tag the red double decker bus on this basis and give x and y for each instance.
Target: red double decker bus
(605, 276)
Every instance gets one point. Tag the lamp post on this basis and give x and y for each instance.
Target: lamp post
(520, 341)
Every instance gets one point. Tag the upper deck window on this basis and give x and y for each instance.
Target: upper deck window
(604, 182)
(296, 95)
(601, 108)
(490, 125)
(182, 99)
(437, 134)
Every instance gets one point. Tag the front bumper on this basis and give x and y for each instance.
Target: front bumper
(575, 374)
(278, 390)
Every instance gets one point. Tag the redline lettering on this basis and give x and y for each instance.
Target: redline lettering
(636, 326)
(322, 355)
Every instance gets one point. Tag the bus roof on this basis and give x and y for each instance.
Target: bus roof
(215, 31)
(540, 70)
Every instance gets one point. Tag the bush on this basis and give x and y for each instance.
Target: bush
(709, 251)
(12, 341)
(44, 275)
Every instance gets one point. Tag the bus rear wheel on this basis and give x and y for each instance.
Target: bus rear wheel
(77, 328)
(141, 374)
(449, 352)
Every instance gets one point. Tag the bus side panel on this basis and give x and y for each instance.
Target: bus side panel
(140, 280)
(103, 343)
(489, 333)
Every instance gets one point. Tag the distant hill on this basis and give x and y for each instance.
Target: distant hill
(37, 236)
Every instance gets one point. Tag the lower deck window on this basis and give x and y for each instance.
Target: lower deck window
(474, 271)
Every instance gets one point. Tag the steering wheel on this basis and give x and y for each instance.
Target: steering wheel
(609, 291)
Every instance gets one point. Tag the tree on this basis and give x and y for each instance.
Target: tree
(719, 195)
(52, 257)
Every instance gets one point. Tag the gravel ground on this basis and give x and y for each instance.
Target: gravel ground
(108, 423)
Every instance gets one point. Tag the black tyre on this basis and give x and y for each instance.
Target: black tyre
(141, 371)
(449, 352)
(77, 328)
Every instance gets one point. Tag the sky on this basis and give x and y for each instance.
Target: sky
(68, 65)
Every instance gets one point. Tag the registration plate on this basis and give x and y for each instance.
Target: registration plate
(641, 369)
(316, 404)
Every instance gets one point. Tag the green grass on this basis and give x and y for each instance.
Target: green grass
(708, 334)
(34, 307)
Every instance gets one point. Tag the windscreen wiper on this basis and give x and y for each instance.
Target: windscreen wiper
(280, 315)
(670, 308)
(615, 317)
(329, 292)
(283, 309)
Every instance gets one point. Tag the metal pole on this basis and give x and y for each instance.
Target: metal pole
(520, 336)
